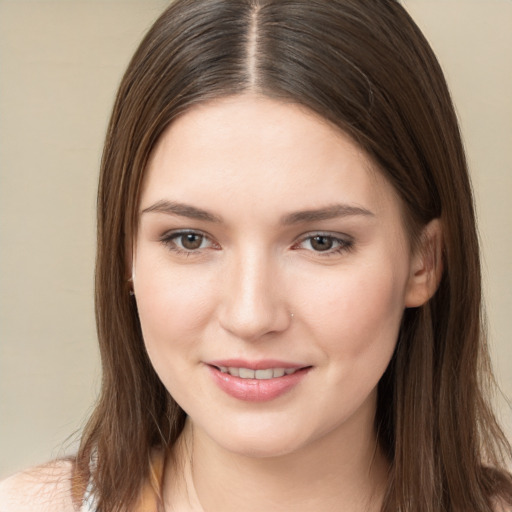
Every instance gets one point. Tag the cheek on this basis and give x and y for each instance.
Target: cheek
(356, 317)
(173, 306)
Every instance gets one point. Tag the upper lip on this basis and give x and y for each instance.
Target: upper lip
(261, 364)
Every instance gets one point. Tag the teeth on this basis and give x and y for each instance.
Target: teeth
(264, 374)
(247, 373)
(279, 372)
(234, 371)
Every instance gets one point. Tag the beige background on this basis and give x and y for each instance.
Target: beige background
(60, 63)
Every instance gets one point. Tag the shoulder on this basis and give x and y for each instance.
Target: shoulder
(45, 488)
(500, 505)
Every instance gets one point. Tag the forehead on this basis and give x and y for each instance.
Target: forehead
(264, 154)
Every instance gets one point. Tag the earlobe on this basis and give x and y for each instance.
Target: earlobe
(426, 266)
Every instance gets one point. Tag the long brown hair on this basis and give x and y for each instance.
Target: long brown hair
(365, 66)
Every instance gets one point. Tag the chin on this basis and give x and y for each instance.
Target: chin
(261, 447)
(266, 439)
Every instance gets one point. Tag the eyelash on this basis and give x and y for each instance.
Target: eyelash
(344, 245)
(168, 239)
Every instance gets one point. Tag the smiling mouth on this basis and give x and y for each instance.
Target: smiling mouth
(265, 381)
(263, 374)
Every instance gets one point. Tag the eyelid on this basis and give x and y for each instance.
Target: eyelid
(169, 236)
(346, 242)
(343, 241)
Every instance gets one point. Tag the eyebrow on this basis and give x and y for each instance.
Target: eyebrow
(182, 210)
(331, 212)
(299, 217)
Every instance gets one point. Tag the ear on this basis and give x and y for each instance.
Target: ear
(426, 266)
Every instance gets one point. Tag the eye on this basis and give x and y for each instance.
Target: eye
(325, 243)
(190, 241)
(186, 241)
(321, 243)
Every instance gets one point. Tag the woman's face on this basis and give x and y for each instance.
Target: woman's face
(271, 272)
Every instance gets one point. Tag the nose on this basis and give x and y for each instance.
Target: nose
(253, 299)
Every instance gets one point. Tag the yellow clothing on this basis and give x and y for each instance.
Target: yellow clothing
(149, 499)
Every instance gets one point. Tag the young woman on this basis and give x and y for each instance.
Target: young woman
(288, 280)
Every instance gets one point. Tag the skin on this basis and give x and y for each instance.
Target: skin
(252, 163)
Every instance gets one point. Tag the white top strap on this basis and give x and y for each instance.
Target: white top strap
(89, 501)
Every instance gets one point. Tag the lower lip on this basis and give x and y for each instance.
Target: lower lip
(256, 390)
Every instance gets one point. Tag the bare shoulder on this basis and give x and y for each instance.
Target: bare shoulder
(44, 488)
(500, 505)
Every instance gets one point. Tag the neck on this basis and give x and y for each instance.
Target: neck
(344, 469)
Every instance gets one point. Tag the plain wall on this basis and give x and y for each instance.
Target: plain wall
(60, 63)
